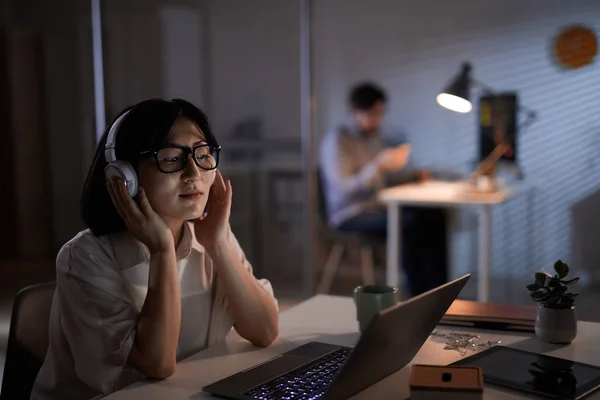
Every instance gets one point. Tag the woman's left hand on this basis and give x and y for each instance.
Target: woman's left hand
(213, 229)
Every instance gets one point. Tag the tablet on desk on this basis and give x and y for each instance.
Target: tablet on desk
(547, 376)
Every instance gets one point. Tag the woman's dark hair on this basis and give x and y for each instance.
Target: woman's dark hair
(145, 128)
(365, 95)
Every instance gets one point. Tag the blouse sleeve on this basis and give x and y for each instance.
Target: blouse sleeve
(98, 318)
(221, 320)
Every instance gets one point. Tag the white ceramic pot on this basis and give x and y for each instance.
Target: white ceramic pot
(556, 325)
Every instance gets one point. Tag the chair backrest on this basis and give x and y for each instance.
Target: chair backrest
(321, 200)
(27, 340)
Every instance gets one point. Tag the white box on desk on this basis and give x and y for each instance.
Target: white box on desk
(432, 382)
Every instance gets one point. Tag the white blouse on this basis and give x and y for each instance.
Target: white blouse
(101, 284)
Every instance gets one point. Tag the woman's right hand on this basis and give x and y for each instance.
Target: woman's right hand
(142, 221)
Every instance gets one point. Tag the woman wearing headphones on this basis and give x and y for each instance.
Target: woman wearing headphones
(154, 278)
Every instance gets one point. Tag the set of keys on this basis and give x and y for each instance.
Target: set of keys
(463, 342)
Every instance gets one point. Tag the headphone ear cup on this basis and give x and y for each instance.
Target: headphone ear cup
(123, 170)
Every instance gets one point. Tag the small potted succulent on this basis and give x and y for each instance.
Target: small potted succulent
(555, 321)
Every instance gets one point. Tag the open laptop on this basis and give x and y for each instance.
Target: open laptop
(327, 371)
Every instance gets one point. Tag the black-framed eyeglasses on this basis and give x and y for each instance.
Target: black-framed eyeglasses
(173, 158)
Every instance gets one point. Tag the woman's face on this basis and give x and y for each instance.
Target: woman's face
(182, 195)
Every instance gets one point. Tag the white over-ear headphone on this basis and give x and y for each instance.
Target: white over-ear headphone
(121, 169)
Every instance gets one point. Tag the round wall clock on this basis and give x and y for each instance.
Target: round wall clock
(575, 47)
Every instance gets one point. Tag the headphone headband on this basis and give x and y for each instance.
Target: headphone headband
(110, 153)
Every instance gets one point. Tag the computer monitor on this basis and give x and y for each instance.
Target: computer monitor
(498, 124)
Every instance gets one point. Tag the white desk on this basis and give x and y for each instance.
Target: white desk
(441, 194)
(332, 320)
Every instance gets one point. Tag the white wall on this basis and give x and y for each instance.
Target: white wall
(414, 48)
(234, 58)
(133, 53)
(254, 57)
(255, 64)
(185, 52)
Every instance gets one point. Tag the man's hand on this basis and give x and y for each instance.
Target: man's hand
(390, 160)
(422, 175)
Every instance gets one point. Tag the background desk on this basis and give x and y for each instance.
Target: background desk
(332, 320)
(441, 194)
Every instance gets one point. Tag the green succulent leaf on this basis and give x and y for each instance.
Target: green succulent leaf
(561, 289)
(571, 281)
(552, 299)
(554, 283)
(561, 269)
(540, 296)
(540, 278)
(533, 287)
(566, 301)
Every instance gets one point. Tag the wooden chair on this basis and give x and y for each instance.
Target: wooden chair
(341, 242)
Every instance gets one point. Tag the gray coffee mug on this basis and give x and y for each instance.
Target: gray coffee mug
(370, 300)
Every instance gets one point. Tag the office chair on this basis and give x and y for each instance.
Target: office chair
(341, 241)
(27, 340)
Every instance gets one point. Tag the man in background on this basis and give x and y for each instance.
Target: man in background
(355, 164)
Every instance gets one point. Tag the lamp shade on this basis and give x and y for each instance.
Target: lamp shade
(455, 96)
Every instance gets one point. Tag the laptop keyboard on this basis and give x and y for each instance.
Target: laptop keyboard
(305, 383)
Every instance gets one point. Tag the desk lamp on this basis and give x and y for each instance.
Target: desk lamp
(456, 97)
